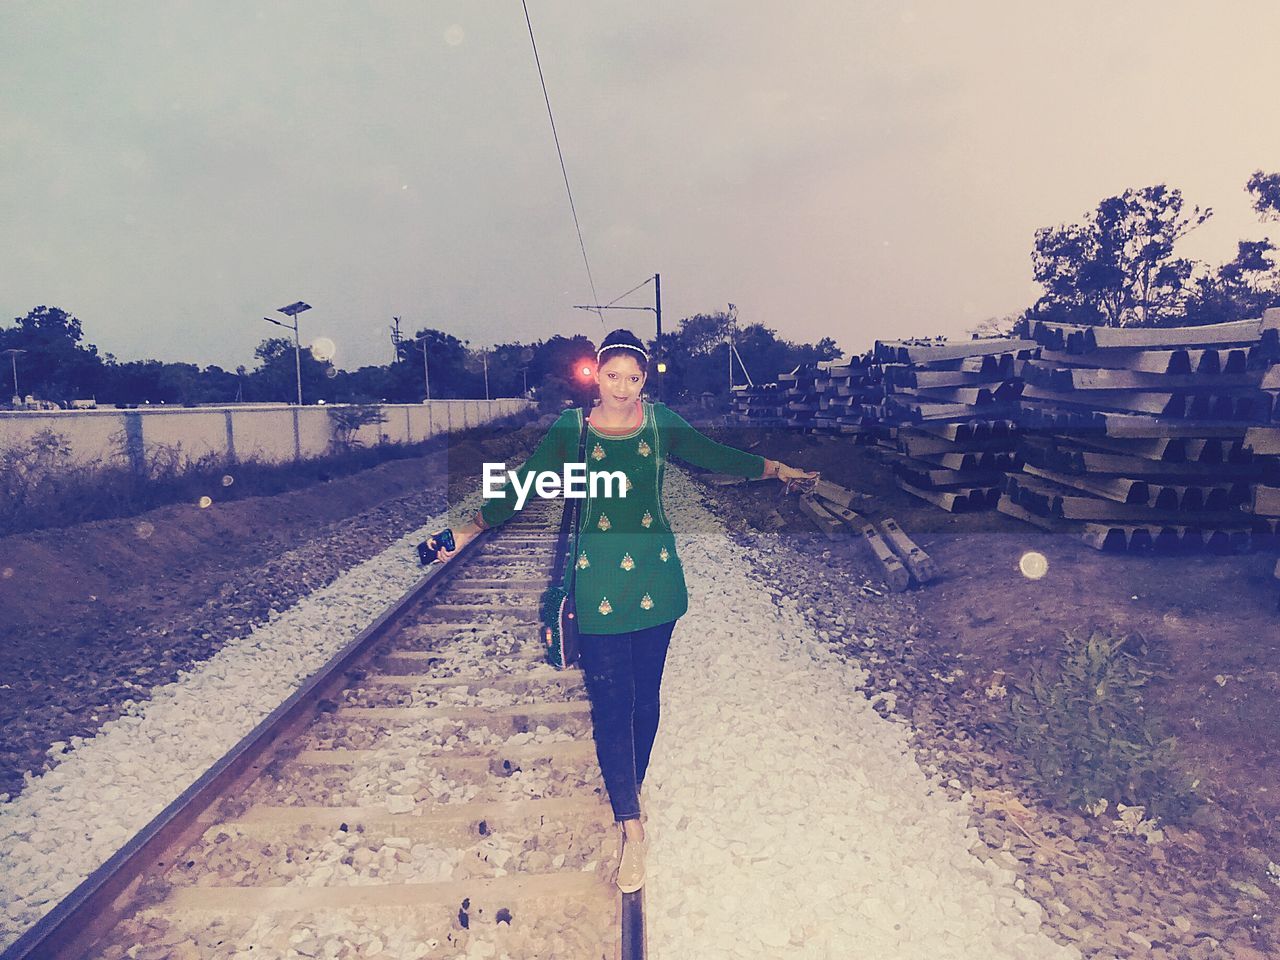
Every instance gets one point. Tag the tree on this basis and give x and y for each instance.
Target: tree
(276, 378)
(1240, 289)
(703, 332)
(446, 361)
(553, 370)
(995, 326)
(366, 385)
(1265, 190)
(214, 385)
(1250, 283)
(559, 356)
(507, 369)
(135, 381)
(346, 422)
(698, 362)
(55, 366)
(1118, 268)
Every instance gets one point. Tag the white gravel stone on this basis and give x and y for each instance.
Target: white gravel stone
(780, 802)
(399, 804)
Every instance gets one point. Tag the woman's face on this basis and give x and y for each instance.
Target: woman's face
(621, 380)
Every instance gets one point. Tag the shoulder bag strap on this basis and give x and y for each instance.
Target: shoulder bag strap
(572, 505)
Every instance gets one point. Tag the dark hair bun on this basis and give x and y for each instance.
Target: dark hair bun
(623, 341)
(621, 335)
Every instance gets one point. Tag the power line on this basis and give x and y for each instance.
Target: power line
(631, 291)
(560, 154)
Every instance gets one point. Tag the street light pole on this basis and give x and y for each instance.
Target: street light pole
(297, 359)
(657, 309)
(13, 356)
(526, 357)
(732, 316)
(292, 311)
(426, 372)
(421, 341)
(657, 300)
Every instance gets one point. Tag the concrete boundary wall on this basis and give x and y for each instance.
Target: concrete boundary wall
(269, 432)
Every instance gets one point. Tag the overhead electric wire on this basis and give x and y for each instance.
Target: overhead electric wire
(560, 154)
(631, 291)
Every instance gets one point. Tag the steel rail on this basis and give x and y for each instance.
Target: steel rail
(80, 918)
(76, 923)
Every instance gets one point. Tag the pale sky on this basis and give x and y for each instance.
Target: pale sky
(171, 172)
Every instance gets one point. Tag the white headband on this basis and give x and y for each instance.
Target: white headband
(622, 346)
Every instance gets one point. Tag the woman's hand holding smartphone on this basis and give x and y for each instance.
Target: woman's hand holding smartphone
(444, 546)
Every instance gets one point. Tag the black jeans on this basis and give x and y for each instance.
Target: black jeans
(623, 673)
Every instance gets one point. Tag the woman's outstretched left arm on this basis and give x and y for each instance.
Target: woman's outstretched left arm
(688, 444)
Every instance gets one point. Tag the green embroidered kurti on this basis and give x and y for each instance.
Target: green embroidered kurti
(628, 574)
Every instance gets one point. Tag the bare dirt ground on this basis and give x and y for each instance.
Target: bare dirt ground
(95, 614)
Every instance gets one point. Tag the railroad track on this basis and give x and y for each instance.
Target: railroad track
(432, 792)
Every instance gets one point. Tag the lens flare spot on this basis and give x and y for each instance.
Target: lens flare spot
(206, 502)
(143, 530)
(323, 349)
(6, 573)
(1033, 565)
(454, 35)
(228, 479)
(331, 372)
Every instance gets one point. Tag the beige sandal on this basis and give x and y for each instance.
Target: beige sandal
(631, 867)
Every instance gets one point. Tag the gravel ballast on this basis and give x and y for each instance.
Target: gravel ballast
(788, 817)
(103, 789)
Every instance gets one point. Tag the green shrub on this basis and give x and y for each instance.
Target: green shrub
(1081, 723)
(347, 421)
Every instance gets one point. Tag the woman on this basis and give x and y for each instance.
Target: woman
(629, 585)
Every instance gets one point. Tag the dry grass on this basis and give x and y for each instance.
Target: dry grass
(43, 487)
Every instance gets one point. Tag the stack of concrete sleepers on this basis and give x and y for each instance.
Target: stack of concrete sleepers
(844, 389)
(799, 397)
(762, 405)
(1135, 437)
(1263, 442)
(1264, 503)
(831, 396)
(953, 406)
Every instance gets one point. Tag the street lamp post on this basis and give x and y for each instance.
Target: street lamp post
(526, 357)
(292, 311)
(12, 353)
(426, 373)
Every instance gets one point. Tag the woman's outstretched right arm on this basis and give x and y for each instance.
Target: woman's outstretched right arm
(552, 453)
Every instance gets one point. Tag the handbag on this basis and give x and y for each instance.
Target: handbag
(557, 611)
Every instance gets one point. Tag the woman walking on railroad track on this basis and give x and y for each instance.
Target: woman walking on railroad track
(629, 585)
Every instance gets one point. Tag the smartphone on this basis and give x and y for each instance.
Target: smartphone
(427, 549)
